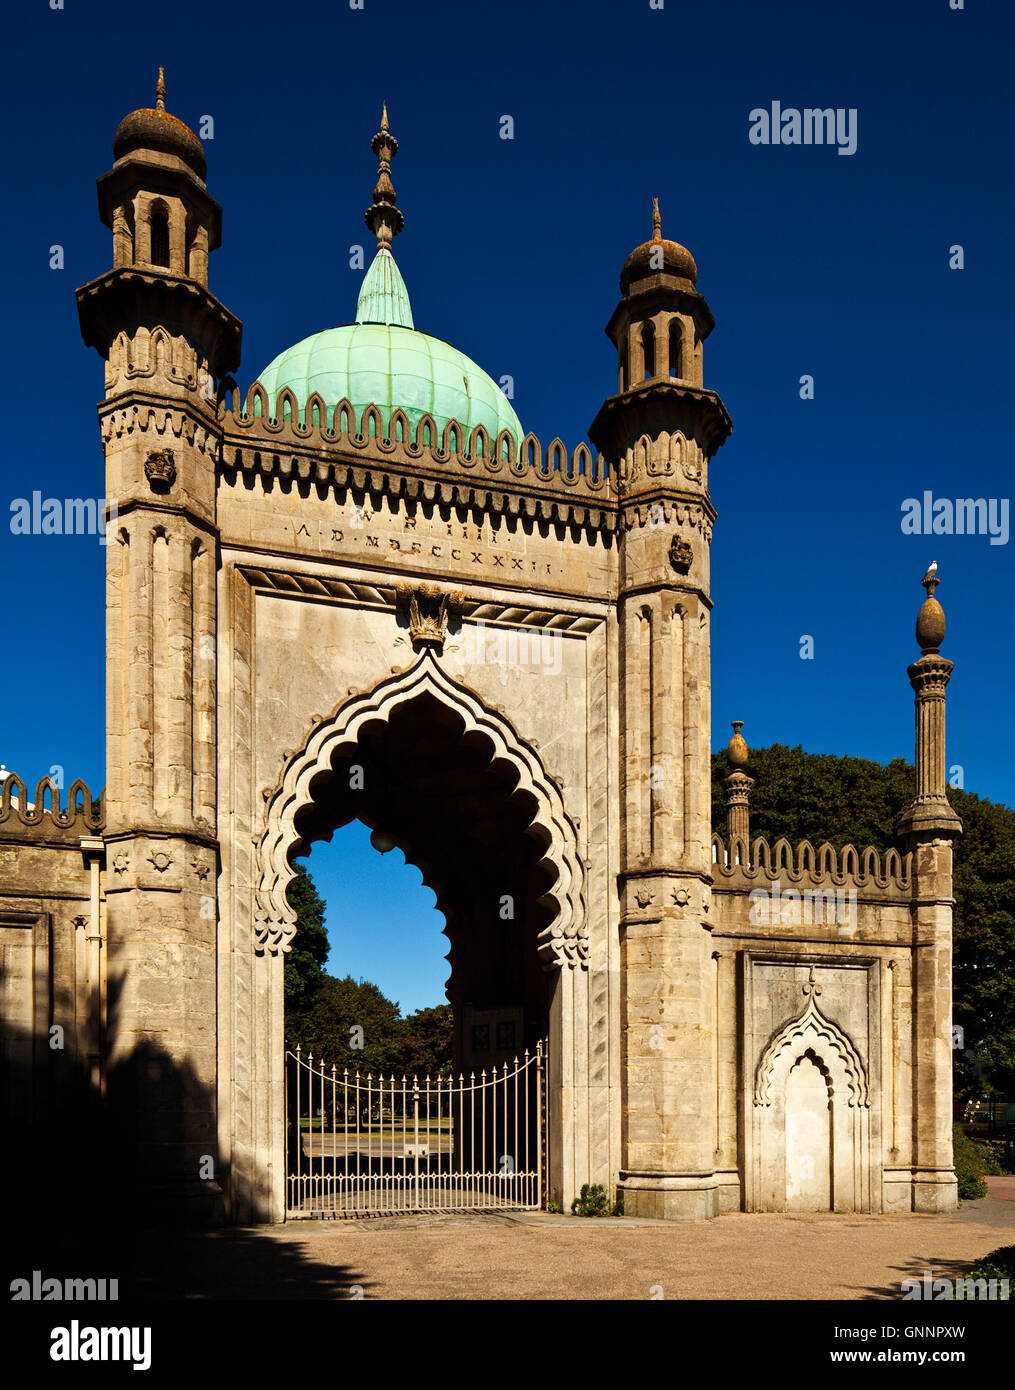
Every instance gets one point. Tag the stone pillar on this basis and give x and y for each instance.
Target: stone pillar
(658, 437)
(665, 949)
(161, 837)
(161, 803)
(927, 828)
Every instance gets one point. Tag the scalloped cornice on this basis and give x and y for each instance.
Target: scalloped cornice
(389, 456)
(738, 863)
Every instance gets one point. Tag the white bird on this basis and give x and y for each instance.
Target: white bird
(931, 572)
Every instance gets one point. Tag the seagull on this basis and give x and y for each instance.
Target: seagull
(930, 573)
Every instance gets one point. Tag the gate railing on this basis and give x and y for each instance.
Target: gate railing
(358, 1145)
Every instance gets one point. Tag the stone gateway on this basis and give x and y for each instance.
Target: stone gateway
(361, 590)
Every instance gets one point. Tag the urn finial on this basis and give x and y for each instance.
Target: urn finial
(736, 751)
(930, 621)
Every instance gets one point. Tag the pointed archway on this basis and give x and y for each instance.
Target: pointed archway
(451, 783)
(810, 1138)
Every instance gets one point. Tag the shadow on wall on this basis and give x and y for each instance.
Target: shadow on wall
(102, 1186)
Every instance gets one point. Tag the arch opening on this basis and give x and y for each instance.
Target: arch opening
(441, 794)
(159, 224)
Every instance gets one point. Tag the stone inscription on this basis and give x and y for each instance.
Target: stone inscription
(482, 548)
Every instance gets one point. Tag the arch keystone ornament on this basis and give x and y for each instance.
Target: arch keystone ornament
(429, 609)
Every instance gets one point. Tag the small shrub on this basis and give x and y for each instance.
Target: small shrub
(999, 1264)
(552, 1206)
(974, 1158)
(618, 1206)
(591, 1201)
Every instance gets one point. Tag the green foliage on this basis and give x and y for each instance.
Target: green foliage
(999, 1264)
(551, 1206)
(427, 1041)
(984, 969)
(820, 797)
(591, 1201)
(330, 1028)
(974, 1159)
(305, 960)
(618, 1206)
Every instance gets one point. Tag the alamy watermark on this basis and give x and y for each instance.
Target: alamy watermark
(812, 126)
(947, 1290)
(63, 516)
(792, 907)
(966, 516)
(478, 645)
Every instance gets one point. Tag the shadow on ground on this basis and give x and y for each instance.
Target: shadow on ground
(85, 1197)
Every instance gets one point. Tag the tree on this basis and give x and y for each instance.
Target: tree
(983, 979)
(819, 797)
(351, 1024)
(304, 962)
(427, 1041)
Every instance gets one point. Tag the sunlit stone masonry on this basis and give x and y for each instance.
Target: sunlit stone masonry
(359, 589)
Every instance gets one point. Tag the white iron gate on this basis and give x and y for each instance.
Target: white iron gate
(362, 1145)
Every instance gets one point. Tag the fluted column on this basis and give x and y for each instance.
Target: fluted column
(927, 829)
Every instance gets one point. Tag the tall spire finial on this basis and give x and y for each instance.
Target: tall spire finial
(160, 91)
(383, 217)
(657, 221)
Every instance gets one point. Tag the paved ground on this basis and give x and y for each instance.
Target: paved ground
(539, 1257)
(1004, 1188)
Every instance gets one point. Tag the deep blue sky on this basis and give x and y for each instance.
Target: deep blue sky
(812, 263)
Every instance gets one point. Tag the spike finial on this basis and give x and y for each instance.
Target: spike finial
(160, 91)
(382, 217)
(657, 221)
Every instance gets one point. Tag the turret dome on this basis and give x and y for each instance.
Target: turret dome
(658, 256)
(155, 128)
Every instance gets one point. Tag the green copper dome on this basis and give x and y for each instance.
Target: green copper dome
(382, 360)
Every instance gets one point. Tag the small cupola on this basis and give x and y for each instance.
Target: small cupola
(154, 198)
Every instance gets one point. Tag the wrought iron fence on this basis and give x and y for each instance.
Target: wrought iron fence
(361, 1145)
